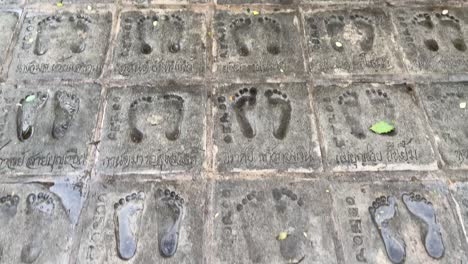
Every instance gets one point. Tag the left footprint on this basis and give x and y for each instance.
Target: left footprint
(127, 219)
(26, 115)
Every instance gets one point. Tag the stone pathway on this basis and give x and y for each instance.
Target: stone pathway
(145, 131)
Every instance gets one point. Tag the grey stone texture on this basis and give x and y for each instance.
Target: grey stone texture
(444, 104)
(347, 112)
(227, 131)
(348, 41)
(160, 44)
(264, 127)
(433, 39)
(153, 129)
(251, 215)
(362, 241)
(62, 45)
(47, 128)
(8, 22)
(263, 45)
(103, 222)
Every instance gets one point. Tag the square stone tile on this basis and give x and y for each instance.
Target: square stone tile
(62, 45)
(264, 127)
(250, 215)
(459, 193)
(36, 227)
(266, 46)
(8, 21)
(433, 39)
(117, 229)
(160, 44)
(153, 129)
(347, 112)
(47, 128)
(361, 239)
(444, 103)
(345, 41)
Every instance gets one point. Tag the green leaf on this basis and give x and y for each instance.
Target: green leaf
(382, 127)
(30, 98)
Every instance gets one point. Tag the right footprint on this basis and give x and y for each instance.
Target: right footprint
(382, 212)
(66, 106)
(280, 101)
(365, 27)
(175, 108)
(244, 104)
(170, 211)
(452, 27)
(425, 212)
(425, 22)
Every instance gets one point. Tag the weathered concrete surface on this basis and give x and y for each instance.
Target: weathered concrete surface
(459, 193)
(264, 127)
(361, 239)
(444, 103)
(265, 46)
(8, 21)
(249, 216)
(160, 45)
(102, 220)
(347, 41)
(347, 112)
(153, 129)
(433, 39)
(47, 128)
(35, 225)
(62, 45)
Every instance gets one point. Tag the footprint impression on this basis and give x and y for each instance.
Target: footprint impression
(67, 106)
(173, 106)
(170, 214)
(252, 208)
(451, 25)
(28, 109)
(278, 104)
(350, 106)
(161, 32)
(39, 213)
(383, 211)
(362, 31)
(127, 216)
(247, 32)
(8, 208)
(73, 28)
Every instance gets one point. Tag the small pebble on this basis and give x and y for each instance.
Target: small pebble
(463, 105)
(338, 44)
(444, 12)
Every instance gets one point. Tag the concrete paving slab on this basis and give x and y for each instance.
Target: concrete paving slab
(416, 221)
(62, 45)
(344, 41)
(459, 192)
(250, 215)
(47, 128)
(262, 46)
(158, 129)
(445, 107)
(8, 21)
(35, 225)
(433, 39)
(265, 127)
(160, 44)
(139, 223)
(346, 114)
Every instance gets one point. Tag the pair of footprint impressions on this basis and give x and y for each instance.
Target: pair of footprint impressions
(383, 211)
(451, 25)
(245, 101)
(335, 26)
(75, 27)
(172, 104)
(128, 210)
(39, 211)
(29, 108)
(171, 27)
(267, 29)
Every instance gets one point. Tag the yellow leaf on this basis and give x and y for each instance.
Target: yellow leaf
(59, 4)
(255, 13)
(282, 236)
